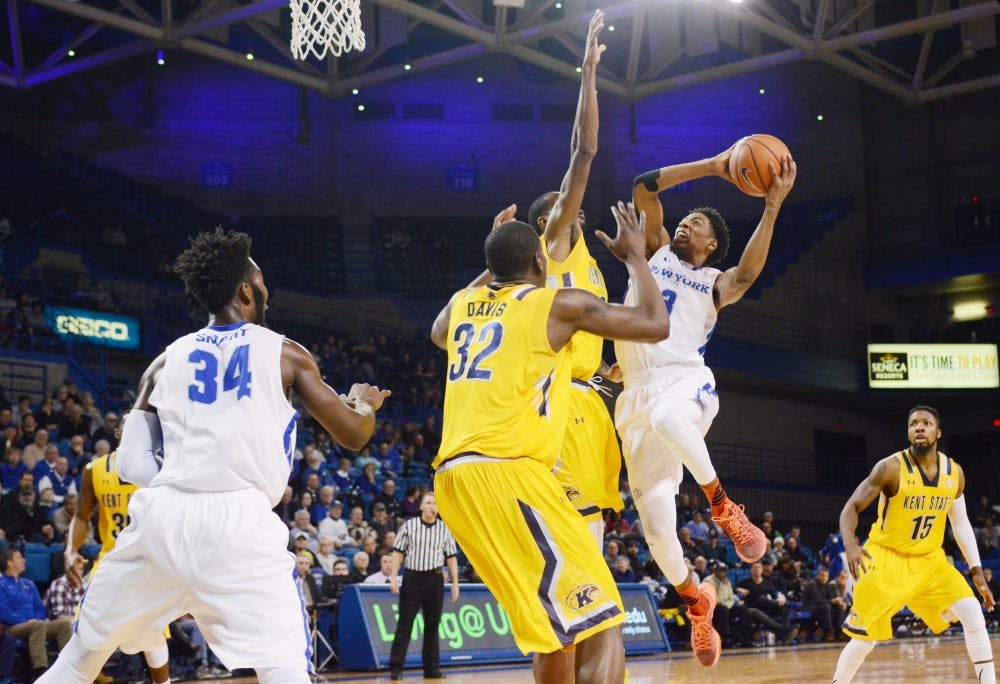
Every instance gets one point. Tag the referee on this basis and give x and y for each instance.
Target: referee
(426, 544)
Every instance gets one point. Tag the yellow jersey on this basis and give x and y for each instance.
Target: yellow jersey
(913, 521)
(112, 500)
(579, 270)
(507, 391)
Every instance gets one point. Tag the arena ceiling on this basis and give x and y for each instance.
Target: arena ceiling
(915, 50)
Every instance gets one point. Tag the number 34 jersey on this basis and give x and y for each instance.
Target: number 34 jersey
(688, 295)
(507, 394)
(227, 423)
(913, 521)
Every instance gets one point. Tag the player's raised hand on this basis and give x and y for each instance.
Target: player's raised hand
(368, 394)
(594, 48)
(720, 162)
(989, 602)
(504, 216)
(783, 182)
(856, 555)
(631, 238)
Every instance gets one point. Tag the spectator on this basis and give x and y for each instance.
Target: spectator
(325, 556)
(321, 507)
(992, 617)
(632, 553)
(301, 525)
(207, 665)
(22, 409)
(845, 584)
(23, 613)
(409, 507)
(700, 568)
(431, 435)
(66, 592)
(383, 573)
(307, 583)
(387, 497)
(712, 550)
(11, 469)
(300, 544)
(46, 416)
(334, 527)
(342, 476)
(767, 606)
(420, 453)
(768, 530)
(732, 617)
(690, 549)
(77, 455)
(769, 519)
(63, 515)
(989, 539)
(389, 459)
(340, 568)
(359, 567)
(108, 431)
(788, 579)
(90, 411)
(685, 509)
(59, 481)
(25, 519)
(795, 552)
(370, 546)
(984, 511)
(34, 453)
(72, 421)
(47, 465)
(29, 426)
(698, 528)
(381, 522)
(622, 572)
(365, 483)
(357, 526)
(822, 598)
(612, 551)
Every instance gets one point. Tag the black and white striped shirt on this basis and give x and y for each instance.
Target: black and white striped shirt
(425, 546)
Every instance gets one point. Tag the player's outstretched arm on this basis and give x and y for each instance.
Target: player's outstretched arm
(883, 478)
(352, 425)
(559, 238)
(965, 536)
(646, 189)
(79, 524)
(647, 321)
(734, 282)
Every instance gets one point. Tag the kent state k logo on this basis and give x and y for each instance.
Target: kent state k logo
(581, 597)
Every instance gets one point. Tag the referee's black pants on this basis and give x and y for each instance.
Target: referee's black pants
(420, 590)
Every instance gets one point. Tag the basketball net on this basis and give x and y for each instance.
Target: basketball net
(321, 26)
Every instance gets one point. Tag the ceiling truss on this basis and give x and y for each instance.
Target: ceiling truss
(833, 36)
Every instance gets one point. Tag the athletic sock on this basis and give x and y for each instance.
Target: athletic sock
(850, 660)
(716, 495)
(688, 591)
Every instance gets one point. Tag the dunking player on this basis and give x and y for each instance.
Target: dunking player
(202, 538)
(101, 487)
(918, 489)
(590, 461)
(669, 399)
(505, 412)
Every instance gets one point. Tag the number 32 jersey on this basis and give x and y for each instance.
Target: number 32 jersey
(227, 423)
(507, 394)
(688, 295)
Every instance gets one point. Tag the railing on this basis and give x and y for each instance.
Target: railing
(758, 463)
(24, 377)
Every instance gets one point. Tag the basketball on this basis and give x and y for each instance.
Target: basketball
(748, 164)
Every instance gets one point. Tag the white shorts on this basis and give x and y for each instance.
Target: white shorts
(219, 556)
(650, 460)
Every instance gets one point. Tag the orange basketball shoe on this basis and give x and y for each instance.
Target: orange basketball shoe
(705, 641)
(749, 540)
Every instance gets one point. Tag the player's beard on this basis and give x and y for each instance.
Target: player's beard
(258, 302)
(923, 449)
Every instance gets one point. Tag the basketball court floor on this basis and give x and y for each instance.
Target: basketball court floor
(940, 660)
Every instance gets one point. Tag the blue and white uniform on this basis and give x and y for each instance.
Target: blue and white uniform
(669, 371)
(202, 537)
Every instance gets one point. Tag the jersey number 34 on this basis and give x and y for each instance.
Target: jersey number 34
(205, 389)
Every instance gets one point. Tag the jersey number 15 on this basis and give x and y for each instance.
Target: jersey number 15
(237, 376)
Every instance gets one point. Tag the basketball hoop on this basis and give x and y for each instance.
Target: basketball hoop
(321, 26)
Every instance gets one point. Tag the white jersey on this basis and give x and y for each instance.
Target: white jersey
(687, 293)
(227, 424)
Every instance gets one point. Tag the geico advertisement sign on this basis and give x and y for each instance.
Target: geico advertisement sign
(91, 327)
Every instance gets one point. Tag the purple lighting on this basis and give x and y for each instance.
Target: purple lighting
(159, 58)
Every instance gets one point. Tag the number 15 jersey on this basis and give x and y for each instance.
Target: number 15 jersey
(227, 424)
(507, 393)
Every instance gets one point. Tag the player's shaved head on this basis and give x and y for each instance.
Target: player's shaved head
(213, 267)
(511, 249)
(539, 208)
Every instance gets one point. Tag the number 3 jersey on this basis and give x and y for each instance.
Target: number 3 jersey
(913, 521)
(227, 423)
(507, 394)
(687, 294)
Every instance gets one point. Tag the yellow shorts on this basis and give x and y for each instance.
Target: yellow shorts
(927, 584)
(532, 549)
(591, 461)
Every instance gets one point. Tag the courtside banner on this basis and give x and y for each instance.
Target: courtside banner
(474, 629)
(93, 327)
(933, 366)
